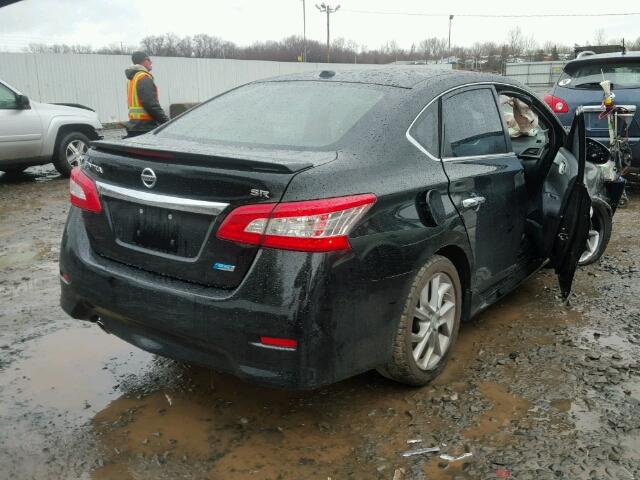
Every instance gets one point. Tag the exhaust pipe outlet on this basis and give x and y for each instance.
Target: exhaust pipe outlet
(100, 323)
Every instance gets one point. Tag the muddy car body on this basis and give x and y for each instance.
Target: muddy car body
(300, 230)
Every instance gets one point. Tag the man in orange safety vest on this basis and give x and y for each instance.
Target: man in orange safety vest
(145, 112)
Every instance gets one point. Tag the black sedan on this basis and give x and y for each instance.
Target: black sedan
(299, 230)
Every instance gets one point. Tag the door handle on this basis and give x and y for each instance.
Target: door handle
(473, 202)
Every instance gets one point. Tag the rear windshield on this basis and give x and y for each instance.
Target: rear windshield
(589, 76)
(296, 114)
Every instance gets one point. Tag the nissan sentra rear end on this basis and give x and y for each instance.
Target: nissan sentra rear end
(184, 242)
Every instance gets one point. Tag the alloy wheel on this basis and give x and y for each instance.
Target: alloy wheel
(75, 151)
(433, 321)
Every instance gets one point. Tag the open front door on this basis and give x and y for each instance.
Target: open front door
(565, 206)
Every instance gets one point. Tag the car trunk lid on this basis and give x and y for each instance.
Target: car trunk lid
(163, 202)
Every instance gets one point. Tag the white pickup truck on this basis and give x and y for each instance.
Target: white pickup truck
(33, 133)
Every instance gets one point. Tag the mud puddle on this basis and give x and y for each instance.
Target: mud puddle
(60, 381)
(359, 428)
(77, 369)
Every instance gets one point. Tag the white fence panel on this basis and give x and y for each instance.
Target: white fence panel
(98, 81)
(537, 75)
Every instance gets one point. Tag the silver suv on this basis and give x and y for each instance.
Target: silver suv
(34, 133)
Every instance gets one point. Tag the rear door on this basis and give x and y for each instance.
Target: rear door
(486, 182)
(565, 205)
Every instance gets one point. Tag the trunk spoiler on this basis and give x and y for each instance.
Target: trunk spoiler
(240, 159)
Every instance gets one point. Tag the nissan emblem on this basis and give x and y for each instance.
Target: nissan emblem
(148, 177)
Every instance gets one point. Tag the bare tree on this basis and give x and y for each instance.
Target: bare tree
(441, 48)
(515, 41)
(424, 49)
(59, 48)
(599, 38)
(548, 46)
(529, 46)
(486, 56)
(116, 49)
(565, 49)
(477, 50)
(184, 47)
(152, 44)
(393, 49)
(169, 46)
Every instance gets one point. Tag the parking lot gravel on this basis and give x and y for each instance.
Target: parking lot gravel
(536, 389)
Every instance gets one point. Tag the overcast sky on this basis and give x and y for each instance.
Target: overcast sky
(100, 22)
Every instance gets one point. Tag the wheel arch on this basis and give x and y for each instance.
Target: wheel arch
(63, 130)
(602, 203)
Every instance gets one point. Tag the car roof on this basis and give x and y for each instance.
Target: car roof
(603, 58)
(407, 77)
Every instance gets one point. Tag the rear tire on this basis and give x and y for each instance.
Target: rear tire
(428, 327)
(599, 232)
(69, 152)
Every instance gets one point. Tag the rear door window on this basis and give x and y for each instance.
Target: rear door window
(472, 125)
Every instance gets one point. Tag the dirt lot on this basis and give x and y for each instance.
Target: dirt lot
(535, 389)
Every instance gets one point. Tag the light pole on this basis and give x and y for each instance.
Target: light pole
(326, 8)
(449, 49)
(304, 30)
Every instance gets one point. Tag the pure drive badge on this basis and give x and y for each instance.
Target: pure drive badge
(225, 267)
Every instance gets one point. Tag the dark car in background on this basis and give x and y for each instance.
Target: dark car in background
(579, 85)
(300, 230)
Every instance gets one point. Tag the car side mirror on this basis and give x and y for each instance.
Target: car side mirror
(23, 102)
(597, 152)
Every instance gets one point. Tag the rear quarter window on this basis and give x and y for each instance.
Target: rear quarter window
(425, 130)
(296, 114)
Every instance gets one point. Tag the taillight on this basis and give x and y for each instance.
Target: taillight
(83, 192)
(310, 226)
(285, 343)
(557, 104)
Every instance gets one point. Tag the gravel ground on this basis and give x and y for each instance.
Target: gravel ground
(535, 390)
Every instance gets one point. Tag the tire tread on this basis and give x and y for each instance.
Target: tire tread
(399, 368)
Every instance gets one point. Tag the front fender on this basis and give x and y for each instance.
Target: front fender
(52, 125)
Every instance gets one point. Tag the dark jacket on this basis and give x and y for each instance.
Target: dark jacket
(148, 97)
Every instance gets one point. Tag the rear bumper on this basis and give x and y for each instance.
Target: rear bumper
(343, 322)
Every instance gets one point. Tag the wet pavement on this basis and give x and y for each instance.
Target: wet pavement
(536, 389)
